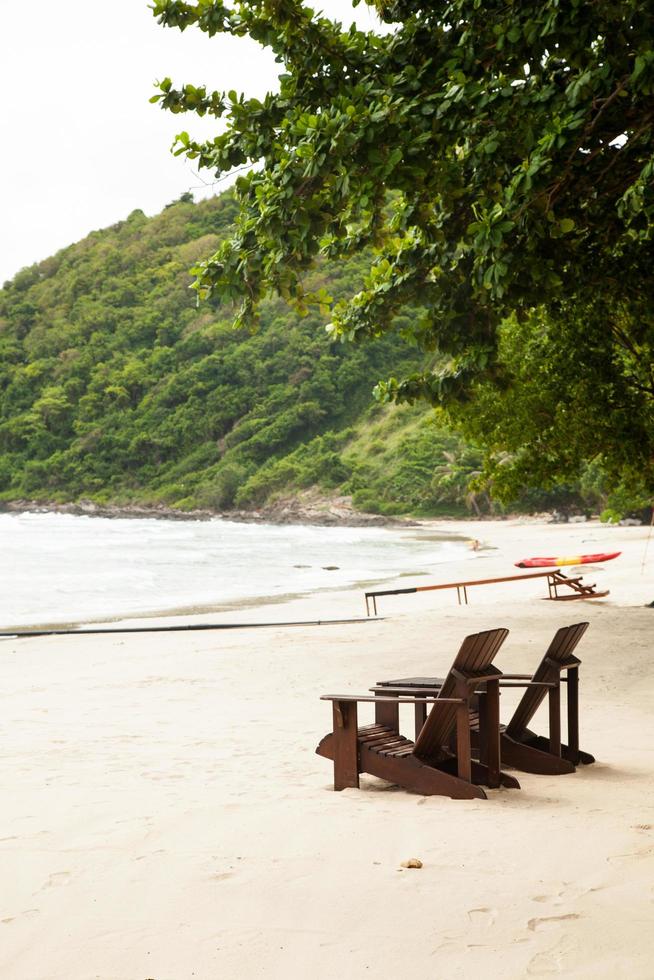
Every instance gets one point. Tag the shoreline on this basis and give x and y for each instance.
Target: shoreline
(449, 570)
(307, 509)
(164, 789)
(325, 513)
(420, 551)
(193, 612)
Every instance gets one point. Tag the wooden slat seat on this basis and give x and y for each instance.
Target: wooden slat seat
(519, 746)
(524, 749)
(439, 761)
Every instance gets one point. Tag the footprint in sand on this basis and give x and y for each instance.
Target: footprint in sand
(482, 916)
(12, 918)
(642, 852)
(142, 857)
(543, 965)
(55, 879)
(548, 921)
(568, 894)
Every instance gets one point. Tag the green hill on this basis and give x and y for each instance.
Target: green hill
(116, 387)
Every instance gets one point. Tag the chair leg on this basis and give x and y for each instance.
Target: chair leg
(573, 715)
(555, 720)
(463, 753)
(478, 735)
(346, 765)
(492, 734)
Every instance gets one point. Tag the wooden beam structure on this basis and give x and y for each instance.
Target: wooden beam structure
(555, 580)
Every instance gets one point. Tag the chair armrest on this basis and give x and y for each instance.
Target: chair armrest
(516, 677)
(424, 691)
(528, 684)
(391, 700)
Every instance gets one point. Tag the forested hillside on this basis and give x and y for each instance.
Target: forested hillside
(116, 387)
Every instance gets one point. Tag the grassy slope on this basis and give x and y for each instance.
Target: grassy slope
(114, 386)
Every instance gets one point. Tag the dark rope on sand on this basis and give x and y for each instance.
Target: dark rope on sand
(18, 634)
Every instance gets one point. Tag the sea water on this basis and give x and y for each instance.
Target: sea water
(59, 568)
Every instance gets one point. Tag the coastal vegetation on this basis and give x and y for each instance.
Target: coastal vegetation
(117, 387)
(456, 214)
(498, 162)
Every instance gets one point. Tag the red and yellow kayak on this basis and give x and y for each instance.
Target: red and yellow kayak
(574, 560)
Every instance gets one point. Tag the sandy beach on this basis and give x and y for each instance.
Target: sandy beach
(165, 816)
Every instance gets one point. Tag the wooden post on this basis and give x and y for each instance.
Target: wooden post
(573, 715)
(346, 759)
(483, 728)
(420, 717)
(555, 720)
(464, 764)
(388, 715)
(492, 736)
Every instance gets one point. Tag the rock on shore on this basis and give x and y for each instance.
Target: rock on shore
(307, 508)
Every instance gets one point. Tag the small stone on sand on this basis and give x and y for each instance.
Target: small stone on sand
(411, 863)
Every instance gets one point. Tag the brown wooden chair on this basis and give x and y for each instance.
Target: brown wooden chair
(439, 761)
(521, 747)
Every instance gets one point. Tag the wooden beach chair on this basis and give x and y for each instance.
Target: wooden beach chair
(527, 751)
(439, 761)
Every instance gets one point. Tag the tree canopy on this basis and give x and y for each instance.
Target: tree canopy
(114, 386)
(498, 157)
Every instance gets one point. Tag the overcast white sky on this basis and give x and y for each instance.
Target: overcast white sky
(81, 145)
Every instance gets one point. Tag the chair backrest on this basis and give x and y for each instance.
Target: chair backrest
(557, 657)
(474, 657)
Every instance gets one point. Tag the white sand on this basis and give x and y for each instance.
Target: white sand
(164, 814)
